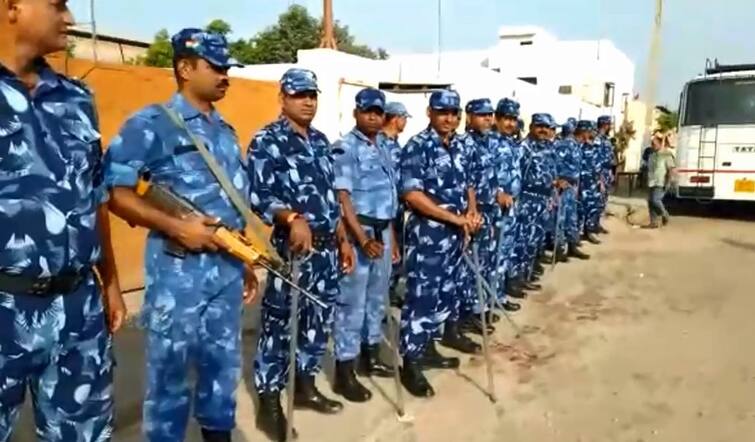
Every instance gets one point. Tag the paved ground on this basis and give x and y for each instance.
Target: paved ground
(649, 341)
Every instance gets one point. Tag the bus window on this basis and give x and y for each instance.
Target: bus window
(715, 102)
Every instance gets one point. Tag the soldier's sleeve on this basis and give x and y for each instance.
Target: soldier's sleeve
(412, 173)
(268, 191)
(345, 163)
(131, 152)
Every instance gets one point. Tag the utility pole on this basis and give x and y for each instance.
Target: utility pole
(328, 35)
(651, 87)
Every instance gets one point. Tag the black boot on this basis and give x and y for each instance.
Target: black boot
(492, 318)
(452, 338)
(511, 306)
(561, 255)
(538, 268)
(370, 363)
(602, 230)
(433, 359)
(347, 385)
(215, 436)
(473, 324)
(270, 417)
(514, 289)
(414, 380)
(532, 286)
(308, 396)
(591, 238)
(574, 252)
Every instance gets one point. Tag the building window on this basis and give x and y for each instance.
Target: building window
(564, 90)
(525, 43)
(530, 80)
(608, 94)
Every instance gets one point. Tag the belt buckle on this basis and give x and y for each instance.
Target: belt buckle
(41, 286)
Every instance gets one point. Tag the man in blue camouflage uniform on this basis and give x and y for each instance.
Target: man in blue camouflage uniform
(192, 302)
(396, 117)
(590, 179)
(366, 186)
(607, 160)
(569, 163)
(54, 315)
(484, 154)
(435, 186)
(292, 187)
(538, 179)
(509, 175)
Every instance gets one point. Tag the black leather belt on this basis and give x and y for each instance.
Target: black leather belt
(62, 284)
(378, 225)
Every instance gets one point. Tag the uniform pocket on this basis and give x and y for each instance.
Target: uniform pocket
(15, 154)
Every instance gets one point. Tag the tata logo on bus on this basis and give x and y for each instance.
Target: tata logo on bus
(744, 149)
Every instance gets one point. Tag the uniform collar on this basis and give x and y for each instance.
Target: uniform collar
(435, 136)
(188, 112)
(48, 78)
(361, 136)
(286, 125)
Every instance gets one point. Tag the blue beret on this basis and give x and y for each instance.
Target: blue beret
(479, 106)
(396, 108)
(604, 119)
(445, 100)
(508, 108)
(370, 97)
(207, 45)
(297, 80)
(541, 120)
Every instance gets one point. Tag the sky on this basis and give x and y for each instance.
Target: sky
(693, 30)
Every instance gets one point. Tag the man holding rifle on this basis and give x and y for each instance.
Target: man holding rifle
(192, 308)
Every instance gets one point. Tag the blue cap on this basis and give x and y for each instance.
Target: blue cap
(396, 108)
(551, 121)
(207, 45)
(370, 97)
(296, 80)
(569, 126)
(541, 120)
(445, 100)
(507, 108)
(583, 125)
(479, 106)
(604, 119)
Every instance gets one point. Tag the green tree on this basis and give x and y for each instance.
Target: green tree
(219, 27)
(160, 52)
(667, 122)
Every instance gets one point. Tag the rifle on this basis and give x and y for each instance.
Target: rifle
(234, 242)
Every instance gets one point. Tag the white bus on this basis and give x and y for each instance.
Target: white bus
(716, 141)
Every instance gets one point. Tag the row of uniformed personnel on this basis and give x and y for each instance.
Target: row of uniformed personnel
(332, 206)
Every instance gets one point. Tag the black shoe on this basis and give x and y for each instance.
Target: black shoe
(452, 338)
(473, 324)
(589, 237)
(532, 286)
(574, 252)
(665, 220)
(561, 256)
(347, 385)
(215, 436)
(270, 417)
(602, 230)
(370, 363)
(492, 318)
(308, 396)
(433, 359)
(414, 380)
(514, 289)
(542, 259)
(511, 306)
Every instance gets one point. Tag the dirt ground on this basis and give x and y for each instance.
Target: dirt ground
(648, 341)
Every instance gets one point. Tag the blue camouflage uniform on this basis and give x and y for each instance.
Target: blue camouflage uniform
(483, 159)
(293, 172)
(549, 217)
(509, 176)
(51, 186)
(365, 170)
(538, 172)
(394, 147)
(192, 305)
(607, 159)
(433, 248)
(569, 163)
(590, 197)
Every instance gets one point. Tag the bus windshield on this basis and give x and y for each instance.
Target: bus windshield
(714, 102)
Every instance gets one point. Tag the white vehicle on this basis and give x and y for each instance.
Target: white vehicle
(716, 141)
